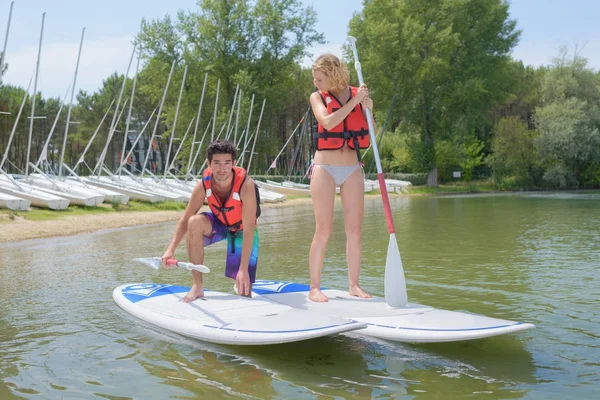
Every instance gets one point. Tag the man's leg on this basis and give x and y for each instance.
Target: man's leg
(200, 228)
(234, 256)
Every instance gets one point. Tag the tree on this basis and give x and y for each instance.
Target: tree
(513, 152)
(568, 121)
(256, 45)
(446, 59)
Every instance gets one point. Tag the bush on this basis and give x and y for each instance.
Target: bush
(560, 177)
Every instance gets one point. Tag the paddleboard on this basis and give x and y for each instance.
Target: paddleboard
(226, 318)
(414, 323)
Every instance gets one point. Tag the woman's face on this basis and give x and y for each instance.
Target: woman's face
(320, 81)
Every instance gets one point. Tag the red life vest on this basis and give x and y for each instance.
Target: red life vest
(229, 213)
(353, 130)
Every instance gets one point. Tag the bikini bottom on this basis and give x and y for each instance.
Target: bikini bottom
(339, 173)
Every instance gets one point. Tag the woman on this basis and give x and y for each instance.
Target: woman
(343, 131)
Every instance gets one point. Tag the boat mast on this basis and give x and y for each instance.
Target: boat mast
(6, 40)
(62, 152)
(37, 69)
(175, 122)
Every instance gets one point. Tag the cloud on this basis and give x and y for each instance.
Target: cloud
(99, 59)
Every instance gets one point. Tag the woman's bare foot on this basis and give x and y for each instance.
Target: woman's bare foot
(358, 292)
(317, 296)
(195, 293)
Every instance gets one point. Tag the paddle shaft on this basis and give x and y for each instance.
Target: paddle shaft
(384, 194)
(200, 268)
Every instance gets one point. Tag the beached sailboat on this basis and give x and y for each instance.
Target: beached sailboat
(8, 185)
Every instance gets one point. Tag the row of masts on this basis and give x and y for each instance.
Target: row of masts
(41, 186)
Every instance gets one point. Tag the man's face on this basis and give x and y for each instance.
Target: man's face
(222, 167)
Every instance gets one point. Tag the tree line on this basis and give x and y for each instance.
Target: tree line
(448, 96)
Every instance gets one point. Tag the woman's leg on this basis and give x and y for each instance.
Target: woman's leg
(353, 199)
(322, 190)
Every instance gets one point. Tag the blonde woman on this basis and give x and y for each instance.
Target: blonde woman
(342, 132)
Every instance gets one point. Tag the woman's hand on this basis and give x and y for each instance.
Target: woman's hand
(362, 93)
(367, 103)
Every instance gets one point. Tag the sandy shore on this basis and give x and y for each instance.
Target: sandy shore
(22, 229)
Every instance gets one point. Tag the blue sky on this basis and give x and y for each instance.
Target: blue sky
(110, 26)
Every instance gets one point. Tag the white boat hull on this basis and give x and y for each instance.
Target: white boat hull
(75, 195)
(37, 197)
(13, 202)
(133, 193)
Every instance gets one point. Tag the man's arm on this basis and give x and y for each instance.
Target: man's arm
(194, 205)
(248, 196)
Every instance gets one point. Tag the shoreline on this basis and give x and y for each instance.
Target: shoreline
(22, 229)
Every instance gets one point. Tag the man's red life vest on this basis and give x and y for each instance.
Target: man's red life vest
(353, 130)
(229, 213)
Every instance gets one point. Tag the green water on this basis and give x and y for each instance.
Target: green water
(527, 257)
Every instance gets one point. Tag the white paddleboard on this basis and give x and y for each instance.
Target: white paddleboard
(413, 324)
(226, 318)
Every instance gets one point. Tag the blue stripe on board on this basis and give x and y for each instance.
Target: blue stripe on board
(444, 330)
(287, 331)
(272, 287)
(142, 291)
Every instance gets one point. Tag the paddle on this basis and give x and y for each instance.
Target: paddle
(395, 284)
(156, 263)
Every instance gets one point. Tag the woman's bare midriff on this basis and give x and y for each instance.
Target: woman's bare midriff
(344, 156)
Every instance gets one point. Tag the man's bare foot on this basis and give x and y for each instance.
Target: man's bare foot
(195, 293)
(358, 292)
(317, 296)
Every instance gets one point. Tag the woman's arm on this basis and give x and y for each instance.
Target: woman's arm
(330, 121)
(368, 103)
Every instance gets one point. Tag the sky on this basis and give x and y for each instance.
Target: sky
(111, 25)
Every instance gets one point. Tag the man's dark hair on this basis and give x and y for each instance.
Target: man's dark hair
(221, 147)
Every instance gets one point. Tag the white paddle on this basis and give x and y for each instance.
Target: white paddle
(156, 263)
(395, 284)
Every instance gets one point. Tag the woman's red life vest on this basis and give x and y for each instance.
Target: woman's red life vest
(353, 130)
(230, 212)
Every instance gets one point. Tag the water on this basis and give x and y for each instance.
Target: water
(528, 257)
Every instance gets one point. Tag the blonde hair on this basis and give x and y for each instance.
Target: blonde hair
(334, 69)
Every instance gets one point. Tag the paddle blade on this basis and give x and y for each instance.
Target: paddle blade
(154, 262)
(395, 284)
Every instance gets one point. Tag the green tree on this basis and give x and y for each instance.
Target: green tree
(568, 121)
(447, 60)
(256, 45)
(513, 152)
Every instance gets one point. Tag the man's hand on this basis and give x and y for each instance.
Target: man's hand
(242, 283)
(168, 254)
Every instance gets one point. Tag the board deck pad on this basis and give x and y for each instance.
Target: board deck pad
(226, 318)
(413, 323)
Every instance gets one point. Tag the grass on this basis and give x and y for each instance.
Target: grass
(38, 214)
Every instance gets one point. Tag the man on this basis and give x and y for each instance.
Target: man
(234, 207)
